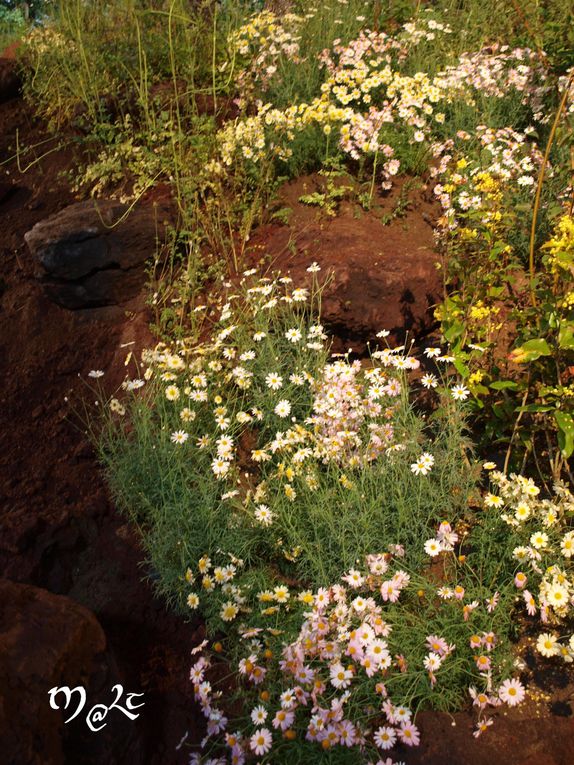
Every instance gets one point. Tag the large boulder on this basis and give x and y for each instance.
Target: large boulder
(94, 253)
(46, 641)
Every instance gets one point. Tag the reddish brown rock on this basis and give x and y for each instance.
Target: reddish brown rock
(48, 640)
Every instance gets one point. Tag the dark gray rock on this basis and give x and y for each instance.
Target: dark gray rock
(10, 80)
(6, 191)
(94, 253)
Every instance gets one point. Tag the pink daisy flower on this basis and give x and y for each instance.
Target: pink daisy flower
(409, 734)
(512, 692)
(261, 741)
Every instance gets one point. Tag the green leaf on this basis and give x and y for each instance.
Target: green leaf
(564, 259)
(566, 337)
(461, 368)
(499, 411)
(530, 351)
(565, 432)
(455, 330)
(498, 248)
(504, 385)
(534, 408)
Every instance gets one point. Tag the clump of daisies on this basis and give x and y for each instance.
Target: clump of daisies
(542, 539)
(522, 543)
(338, 669)
(264, 466)
(279, 431)
(301, 680)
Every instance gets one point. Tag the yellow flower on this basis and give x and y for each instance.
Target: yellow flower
(476, 377)
(467, 234)
(479, 311)
(561, 246)
(486, 183)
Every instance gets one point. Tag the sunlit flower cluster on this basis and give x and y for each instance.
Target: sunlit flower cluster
(260, 44)
(315, 687)
(425, 28)
(46, 39)
(475, 191)
(560, 248)
(363, 94)
(316, 411)
(545, 552)
(366, 98)
(342, 643)
(348, 401)
(497, 71)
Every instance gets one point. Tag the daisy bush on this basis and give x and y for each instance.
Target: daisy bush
(385, 638)
(324, 528)
(539, 542)
(260, 425)
(375, 105)
(513, 288)
(363, 95)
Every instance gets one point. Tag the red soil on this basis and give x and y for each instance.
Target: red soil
(60, 529)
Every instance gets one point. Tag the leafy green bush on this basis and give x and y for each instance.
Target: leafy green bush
(12, 25)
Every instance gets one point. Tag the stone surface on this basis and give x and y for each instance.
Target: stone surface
(94, 253)
(48, 640)
(10, 80)
(6, 191)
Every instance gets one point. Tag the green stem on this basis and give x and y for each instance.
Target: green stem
(372, 189)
